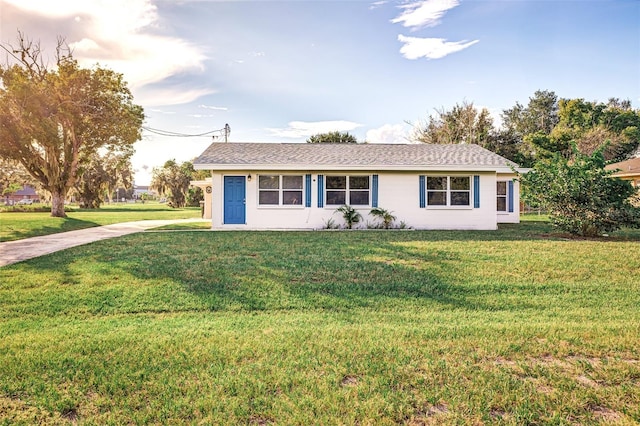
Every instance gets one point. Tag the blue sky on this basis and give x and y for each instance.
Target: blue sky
(280, 71)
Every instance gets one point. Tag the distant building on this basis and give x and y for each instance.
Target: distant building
(26, 193)
(627, 170)
(139, 190)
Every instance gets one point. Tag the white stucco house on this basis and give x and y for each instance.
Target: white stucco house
(300, 185)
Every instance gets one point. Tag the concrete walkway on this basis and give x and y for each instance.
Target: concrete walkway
(28, 248)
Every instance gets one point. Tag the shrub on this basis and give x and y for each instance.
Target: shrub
(582, 198)
(383, 216)
(350, 215)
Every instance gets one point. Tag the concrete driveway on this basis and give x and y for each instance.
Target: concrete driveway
(28, 248)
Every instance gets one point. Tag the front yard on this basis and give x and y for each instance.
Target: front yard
(518, 326)
(19, 225)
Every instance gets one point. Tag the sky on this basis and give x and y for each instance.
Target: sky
(281, 71)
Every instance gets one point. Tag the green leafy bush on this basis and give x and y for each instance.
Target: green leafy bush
(582, 198)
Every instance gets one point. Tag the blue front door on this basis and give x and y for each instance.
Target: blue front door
(234, 200)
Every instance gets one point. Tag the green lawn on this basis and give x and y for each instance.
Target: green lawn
(516, 326)
(19, 225)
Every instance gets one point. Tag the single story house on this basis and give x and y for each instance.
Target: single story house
(300, 185)
(25, 193)
(627, 170)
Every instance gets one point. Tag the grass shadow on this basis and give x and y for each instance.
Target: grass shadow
(262, 271)
(251, 271)
(11, 232)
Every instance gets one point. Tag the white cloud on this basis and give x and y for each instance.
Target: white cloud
(213, 107)
(300, 129)
(389, 133)
(113, 34)
(161, 111)
(168, 96)
(431, 48)
(377, 4)
(424, 13)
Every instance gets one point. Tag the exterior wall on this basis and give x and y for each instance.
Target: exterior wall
(206, 214)
(207, 190)
(510, 217)
(397, 192)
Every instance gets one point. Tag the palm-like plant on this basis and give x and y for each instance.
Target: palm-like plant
(350, 215)
(383, 215)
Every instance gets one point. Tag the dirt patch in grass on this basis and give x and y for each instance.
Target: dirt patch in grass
(587, 381)
(259, 420)
(540, 385)
(14, 410)
(348, 381)
(605, 414)
(71, 415)
(498, 414)
(432, 415)
(584, 370)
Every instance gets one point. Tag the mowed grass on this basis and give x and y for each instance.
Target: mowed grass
(514, 326)
(18, 225)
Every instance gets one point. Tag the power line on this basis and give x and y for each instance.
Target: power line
(225, 131)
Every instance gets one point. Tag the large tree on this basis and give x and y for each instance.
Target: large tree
(462, 124)
(333, 137)
(102, 175)
(526, 128)
(54, 119)
(172, 180)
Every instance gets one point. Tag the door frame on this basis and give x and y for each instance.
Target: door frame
(225, 220)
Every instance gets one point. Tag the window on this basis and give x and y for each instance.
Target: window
(501, 191)
(351, 190)
(448, 191)
(280, 190)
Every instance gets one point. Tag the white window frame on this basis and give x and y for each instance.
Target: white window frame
(448, 192)
(347, 190)
(281, 191)
(505, 196)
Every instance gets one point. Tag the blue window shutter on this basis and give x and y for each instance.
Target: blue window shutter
(307, 191)
(320, 190)
(476, 192)
(423, 201)
(510, 196)
(374, 191)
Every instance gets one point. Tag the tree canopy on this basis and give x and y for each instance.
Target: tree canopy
(53, 120)
(173, 180)
(333, 137)
(462, 124)
(536, 131)
(102, 175)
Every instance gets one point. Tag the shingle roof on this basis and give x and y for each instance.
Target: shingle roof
(26, 191)
(280, 156)
(627, 167)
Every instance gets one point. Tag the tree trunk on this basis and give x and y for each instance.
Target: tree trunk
(57, 204)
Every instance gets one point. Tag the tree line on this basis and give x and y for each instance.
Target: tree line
(536, 131)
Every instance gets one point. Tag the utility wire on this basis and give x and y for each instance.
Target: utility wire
(180, 135)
